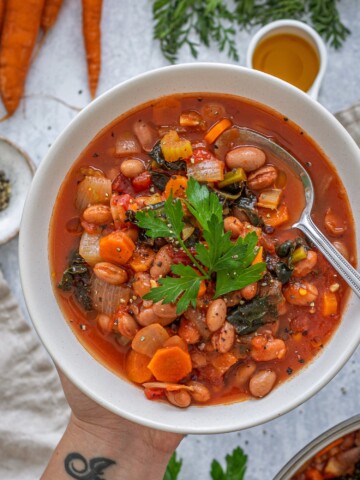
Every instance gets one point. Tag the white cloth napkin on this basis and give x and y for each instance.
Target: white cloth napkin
(33, 411)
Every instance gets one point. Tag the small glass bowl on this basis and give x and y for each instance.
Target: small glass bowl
(299, 29)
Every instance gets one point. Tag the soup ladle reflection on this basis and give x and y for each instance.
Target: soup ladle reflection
(305, 223)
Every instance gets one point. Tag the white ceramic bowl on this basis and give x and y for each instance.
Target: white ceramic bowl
(95, 380)
(300, 29)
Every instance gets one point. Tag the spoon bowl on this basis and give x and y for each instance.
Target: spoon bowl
(305, 222)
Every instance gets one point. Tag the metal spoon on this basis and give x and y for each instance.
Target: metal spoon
(305, 223)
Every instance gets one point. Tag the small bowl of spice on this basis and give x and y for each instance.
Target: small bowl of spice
(16, 172)
(290, 50)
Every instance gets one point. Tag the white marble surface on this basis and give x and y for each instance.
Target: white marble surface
(59, 72)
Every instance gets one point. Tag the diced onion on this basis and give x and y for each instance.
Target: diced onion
(92, 190)
(89, 248)
(108, 298)
(146, 135)
(206, 171)
(270, 198)
(127, 144)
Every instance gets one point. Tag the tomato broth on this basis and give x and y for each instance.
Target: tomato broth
(310, 296)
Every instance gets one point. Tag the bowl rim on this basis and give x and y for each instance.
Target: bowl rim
(155, 416)
(306, 453)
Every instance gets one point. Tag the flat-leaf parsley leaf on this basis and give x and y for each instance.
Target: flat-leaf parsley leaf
(216, 258)
(235, 467)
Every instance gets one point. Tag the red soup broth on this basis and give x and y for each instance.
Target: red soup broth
(302, 330)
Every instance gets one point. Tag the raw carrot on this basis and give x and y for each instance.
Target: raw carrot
(50, 13)
(2, 13)
(217, 130)
(177, 185)
(92, 39)
(330, 304)
(117, 247)
(136, 367)
(170, 364)
(20, 31)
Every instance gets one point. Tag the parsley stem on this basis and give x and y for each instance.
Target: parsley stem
(192, 258)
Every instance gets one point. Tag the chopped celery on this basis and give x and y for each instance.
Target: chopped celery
(235, 176)
(299, 254)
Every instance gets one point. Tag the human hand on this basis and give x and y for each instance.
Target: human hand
(91, 416)
(99, 439)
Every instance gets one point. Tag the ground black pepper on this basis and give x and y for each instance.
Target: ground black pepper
(5, 191)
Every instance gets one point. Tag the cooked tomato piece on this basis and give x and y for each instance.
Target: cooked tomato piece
(142, 182)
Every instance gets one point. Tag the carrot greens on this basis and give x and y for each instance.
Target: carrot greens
(228, 261)
(185, 22)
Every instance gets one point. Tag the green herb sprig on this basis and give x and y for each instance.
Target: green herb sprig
(188, 22)
(229, 263)
(173, 468)
(235, 466)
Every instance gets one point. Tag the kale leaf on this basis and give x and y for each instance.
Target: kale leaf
(76, 278)
(157, 155)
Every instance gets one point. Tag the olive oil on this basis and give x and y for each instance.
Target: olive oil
(289, 57)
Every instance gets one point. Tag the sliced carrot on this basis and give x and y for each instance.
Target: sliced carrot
(19, 34)
(191, 119)
(170, 364)
(331, 445)
(217, 129)
(223, 362)
(149, 339)
(117, 247)
(277, 217)
(329, 304)
(92, 39)
(50, 13)
(142, 259)
(202, 289)
(137, 367)
(313, 474)
(259, 256)
(176, 341)
(177, 186)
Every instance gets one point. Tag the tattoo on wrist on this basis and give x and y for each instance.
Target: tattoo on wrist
(79, 468)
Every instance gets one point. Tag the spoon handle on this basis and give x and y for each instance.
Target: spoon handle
(347, 271)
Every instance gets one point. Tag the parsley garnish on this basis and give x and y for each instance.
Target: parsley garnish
(173, 468)
(227, 262)
(235, 466)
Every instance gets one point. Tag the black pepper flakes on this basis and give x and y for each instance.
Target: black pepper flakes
(5, 191)
(289, 370)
